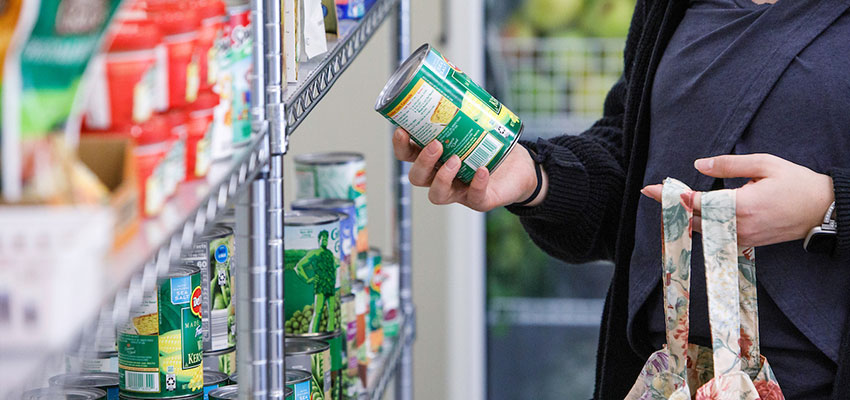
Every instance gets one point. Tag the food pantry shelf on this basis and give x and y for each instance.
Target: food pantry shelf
(321, 73)
(383, 368)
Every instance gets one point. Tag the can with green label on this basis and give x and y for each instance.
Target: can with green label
(213, 253)
(224, 393)
(434, 100)
(299, 382)
(106, 381)
(311, 243)
(223, 361)
(335, 176)
(348, 232)
(214, 380)
(349, 323)
(160, 350)
(312, 356)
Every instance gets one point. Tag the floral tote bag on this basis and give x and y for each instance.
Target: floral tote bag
(733, 367)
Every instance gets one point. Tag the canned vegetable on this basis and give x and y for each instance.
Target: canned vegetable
(299, 382)
(223, 361)
(57, 393)
(225, 393)
(312, 356)
(108, 382)
(348, 232)
(213, 380)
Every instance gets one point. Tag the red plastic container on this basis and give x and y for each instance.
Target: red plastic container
(211, 43)
(128, 85)
(179, 25)
(199, 131)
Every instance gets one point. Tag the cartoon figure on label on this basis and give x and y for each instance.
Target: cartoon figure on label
(324, 266)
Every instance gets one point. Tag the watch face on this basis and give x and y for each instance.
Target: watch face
(820, 242)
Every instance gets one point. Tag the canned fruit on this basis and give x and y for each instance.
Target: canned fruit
(160, 349)
(434, 100)
(336, 176)
(311, 267)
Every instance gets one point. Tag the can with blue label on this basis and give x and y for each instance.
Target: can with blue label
(213, 254)
(347, 210)
(225, 393)
(434, 100)
(108, 382)
(300, 383)
(213, 380)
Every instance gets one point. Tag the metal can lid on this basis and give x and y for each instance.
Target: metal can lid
(179, 271)
(357, 285)
(287, 392)
(300, 345)
(214, 377)
(328, 158)
(225, 393)
(308, 218)
(347, 297)
(215, 353)
(234, 377)
(401, 77)
(215, 232)
(321, 337)
(322, 204)
(294, 376)
(199, 395)
(85, 380)
(60, 393)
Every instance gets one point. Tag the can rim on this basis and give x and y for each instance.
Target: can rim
(208, 373)
(309, 218)
(318, 203)
(217, 231)
(123, 395)
(402, 77)
(84, 379)
(304, 345)
(180, 271)
(225, 391)
(329, 158)
(316, 336)
(297, 375)
(41, 393)
(220, 352)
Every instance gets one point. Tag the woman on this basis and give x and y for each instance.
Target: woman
(716, 93)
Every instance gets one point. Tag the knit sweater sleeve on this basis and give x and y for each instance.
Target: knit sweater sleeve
(577, 219)
(841, 186)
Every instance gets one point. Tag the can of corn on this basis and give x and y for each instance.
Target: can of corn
(434, 100)
(160, 350)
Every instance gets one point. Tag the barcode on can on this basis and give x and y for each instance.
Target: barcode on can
(218, 329)
(141, 381)
(484, 153)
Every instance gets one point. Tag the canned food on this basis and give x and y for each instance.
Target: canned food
(390, 297)
(223, 361)
(213, 18)
(300, 383)
(335, 176)
(288, 394)
(434, 100)
(57, 393)
(106, 361)
(212, 253)
(199, 134)
(225, 393)
(108, 382)
(348, 232)
(311, 242)
(376, 305)
(175, 159)
(350, 9)
(361, 310)
(213, 380)
(234, 378)
(160, 350)
(238, 31)
(349, 322)
(312, 356)
(179, 28)
(197, 396)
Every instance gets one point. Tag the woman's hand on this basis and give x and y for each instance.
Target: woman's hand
(514, 181)
(782, 202)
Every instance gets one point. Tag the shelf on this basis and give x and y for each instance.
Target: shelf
(383, 368)
(321, 73)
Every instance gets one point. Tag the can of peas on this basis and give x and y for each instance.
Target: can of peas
(312, 356)
(160, 350)
(300, 383)
(347, 210)
(434, 100)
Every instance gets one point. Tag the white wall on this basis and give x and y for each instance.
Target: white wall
(447, 343)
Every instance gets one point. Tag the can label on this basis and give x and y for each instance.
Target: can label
(347, 249)
(376, 306)
(312, 278)
(224, 362)
(442, 103)
(81, 363)
(319, 366)
(214, 258)
(300, 391)
(361, 309)
(160, 349)
(238, 31)
(337, 181)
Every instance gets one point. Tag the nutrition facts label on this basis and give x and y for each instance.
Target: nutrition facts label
(424, 112)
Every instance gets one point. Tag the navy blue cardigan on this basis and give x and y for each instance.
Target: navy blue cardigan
(595, 178)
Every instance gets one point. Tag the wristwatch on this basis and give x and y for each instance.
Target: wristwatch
(821, 239)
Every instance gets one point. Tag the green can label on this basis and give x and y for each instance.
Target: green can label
(312, 278)
(160, 351)
(442, 103)
(214, 257)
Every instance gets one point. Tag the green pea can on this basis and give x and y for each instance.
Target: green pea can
(300, 383)
(348, 232)
(349, 323)
(336, 354)
(224, 393)
(160, 350)
(312, 356)
(223, 361)
(434, 100)
(108, 382)
(336, 176)
(54, 393)
(213, 254)
(214, 380)
(311, 270)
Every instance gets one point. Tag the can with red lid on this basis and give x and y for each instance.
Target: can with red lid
(152, 145)
(179, 26)
(213, 17)
(200, 130)
(129, 83)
